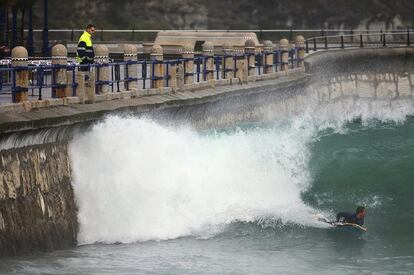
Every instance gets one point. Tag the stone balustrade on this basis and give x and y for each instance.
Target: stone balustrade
(132, 77)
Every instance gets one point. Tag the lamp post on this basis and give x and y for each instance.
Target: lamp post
(30, 47)
(3, 26)
(45, 49)
(14, 26)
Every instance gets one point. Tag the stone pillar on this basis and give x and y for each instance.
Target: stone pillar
(228, 62)
(60, 60)
(180, 76)
(103, 73)
(188, 55)
(131, 70)
(250, 51)
(284, 52)
(157, 67)
(268, 57)
(172, 71)
(241, 68)
(208, 66)
(20, 59)
(300, 50)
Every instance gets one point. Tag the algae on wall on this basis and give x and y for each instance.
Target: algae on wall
(37, 206)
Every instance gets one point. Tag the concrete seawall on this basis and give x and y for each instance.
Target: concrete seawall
(21, 120)
(358, 59)
(37, 206)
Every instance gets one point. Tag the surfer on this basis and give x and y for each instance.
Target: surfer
(355, 218)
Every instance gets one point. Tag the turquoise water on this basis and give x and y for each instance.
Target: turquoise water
(299, 172)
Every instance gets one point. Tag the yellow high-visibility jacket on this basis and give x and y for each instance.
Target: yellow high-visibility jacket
(85, 53)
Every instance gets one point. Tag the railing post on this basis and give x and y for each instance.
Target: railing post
(314, 45)
(307, 46)
(249, 51)
(300, 58)
(59, 63)
(408, 36)
(20, 63)
(208, 66)
(384, 42)
(188, 56)
(227, 65)
(342, 42)
(103, 71)
(131, 68)
(157, 70)
(268, 57)
(361, 43)
(326, 42)
(284, 54)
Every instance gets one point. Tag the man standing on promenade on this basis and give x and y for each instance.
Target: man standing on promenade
(85, 53)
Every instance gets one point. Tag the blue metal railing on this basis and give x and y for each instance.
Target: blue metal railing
(376, 39)
(42, 82)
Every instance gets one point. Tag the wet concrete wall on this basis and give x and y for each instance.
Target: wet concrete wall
(37, 206)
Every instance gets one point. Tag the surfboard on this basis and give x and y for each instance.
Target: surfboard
(352, 226)
(341, 225)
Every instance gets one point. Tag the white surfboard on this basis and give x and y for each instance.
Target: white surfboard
(342, 225)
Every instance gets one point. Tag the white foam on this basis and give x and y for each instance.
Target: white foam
(135, 180)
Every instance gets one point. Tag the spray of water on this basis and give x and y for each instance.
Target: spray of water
(137, 180)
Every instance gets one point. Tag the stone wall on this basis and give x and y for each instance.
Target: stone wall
(37, 206)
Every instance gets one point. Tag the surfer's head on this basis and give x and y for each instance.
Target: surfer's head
(360, 212)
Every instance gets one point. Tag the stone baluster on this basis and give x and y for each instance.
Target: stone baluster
(103, 73)
(208, 53)
(157, 67)
(300, 50)
(228, 63)
(250, 51)
(19, 60)
(188, 55)
(268, 57)
(284, 53)
(131, 70)
(59, 75)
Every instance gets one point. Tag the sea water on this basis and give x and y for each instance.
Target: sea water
(166, 199)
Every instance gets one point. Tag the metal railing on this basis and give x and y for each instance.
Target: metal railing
(42, 82)
(379, 39)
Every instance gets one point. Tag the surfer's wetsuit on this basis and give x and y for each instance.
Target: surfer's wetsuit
(349, 218)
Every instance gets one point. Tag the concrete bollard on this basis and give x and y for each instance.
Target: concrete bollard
(268, 57)
(250, 51)
(284, 53)
(188, 55)
(208, 53)
(157, 67)
(103, 73)
(227, 63)
(300, 50)
(20, 59)
(131, 70)
(59, 75)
